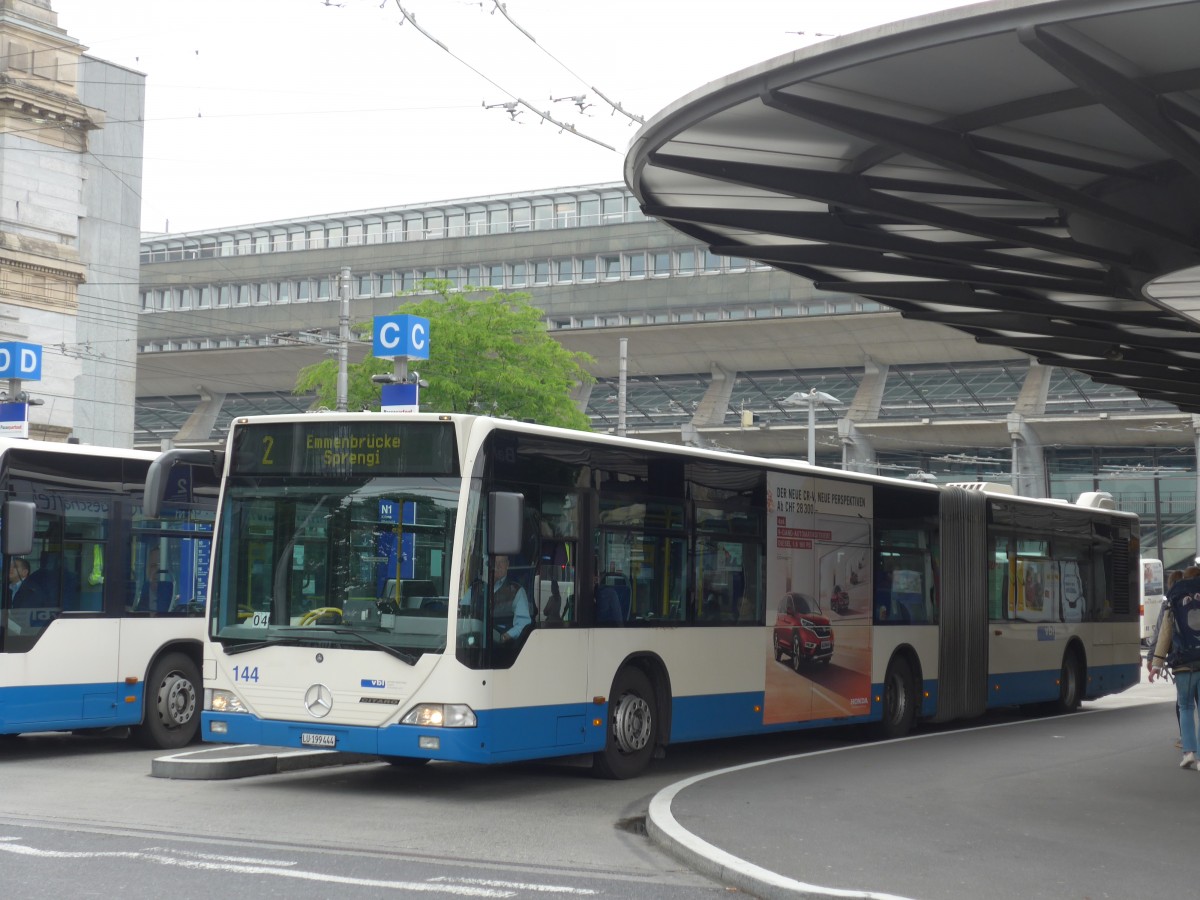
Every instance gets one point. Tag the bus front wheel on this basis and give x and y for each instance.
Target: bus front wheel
(172, 714)
(632, 727)
(899, 699)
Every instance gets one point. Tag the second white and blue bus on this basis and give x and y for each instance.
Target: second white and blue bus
(101, 619)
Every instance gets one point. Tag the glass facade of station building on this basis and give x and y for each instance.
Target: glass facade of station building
(596, 266)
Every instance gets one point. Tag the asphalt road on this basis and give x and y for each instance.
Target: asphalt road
(84, 813)
(1061, 807)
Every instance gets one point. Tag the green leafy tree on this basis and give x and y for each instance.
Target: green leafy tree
(489, 352)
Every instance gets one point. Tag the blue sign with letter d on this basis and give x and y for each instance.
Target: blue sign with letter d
(18, 360)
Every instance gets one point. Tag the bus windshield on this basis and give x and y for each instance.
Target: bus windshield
(356, 562)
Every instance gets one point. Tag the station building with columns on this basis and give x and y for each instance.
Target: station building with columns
(722, 351)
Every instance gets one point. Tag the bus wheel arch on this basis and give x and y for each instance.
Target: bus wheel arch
(1072, 679)
(638, 718)
(901, 695)
(172, 701)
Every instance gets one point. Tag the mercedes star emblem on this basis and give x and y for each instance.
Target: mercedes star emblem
(318, 700)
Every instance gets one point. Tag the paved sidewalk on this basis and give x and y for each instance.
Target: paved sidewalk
(1027, 803)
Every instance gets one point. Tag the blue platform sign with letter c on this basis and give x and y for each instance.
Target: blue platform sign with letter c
(401, 336)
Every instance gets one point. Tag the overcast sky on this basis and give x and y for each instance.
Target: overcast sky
(258, 110)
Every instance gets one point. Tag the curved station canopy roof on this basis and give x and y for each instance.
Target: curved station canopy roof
(1025, 172)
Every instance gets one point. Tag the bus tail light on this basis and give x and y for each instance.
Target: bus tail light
(441, 715)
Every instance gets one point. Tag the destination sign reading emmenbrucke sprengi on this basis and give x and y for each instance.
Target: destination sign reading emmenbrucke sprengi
(345, 449)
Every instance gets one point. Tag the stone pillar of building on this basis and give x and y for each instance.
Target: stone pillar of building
(713, 405)
(1031, 401)
(43, 136)
(868, 399)
(1029, 455)
(858, 453)
(1029, 458)
(581, 395)
(200, 424)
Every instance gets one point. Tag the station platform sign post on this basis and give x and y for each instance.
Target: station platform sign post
(19, 362)
(400, 338)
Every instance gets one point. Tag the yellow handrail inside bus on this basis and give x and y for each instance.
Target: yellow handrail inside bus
(310, 617)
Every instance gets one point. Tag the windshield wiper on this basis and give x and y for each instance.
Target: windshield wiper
(308, 640)
(269, 642)
(386, 648)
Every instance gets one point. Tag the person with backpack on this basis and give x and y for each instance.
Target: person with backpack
(1178, 649)
(1173, 578)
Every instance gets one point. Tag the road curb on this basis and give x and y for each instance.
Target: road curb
(244, 761)
(723, 867)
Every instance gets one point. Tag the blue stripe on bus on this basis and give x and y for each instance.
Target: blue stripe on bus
(64, 707)
(1038, 687)
(542, 732)
(511, 735)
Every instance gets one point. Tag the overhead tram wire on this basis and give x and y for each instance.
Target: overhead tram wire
(563, 126)
(616, 107)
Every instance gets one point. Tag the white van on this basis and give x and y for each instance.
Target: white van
(1153, 587)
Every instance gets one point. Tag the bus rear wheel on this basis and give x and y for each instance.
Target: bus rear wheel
(1070, 682)
(172, 704)
(632, 727)
(899, 700)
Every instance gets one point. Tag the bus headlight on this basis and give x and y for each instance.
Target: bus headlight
(440, 715)
(224, 702)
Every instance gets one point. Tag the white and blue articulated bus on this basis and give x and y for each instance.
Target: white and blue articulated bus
(102, 615)
(449, 587)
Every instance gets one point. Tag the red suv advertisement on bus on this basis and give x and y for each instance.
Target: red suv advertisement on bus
(801, 631)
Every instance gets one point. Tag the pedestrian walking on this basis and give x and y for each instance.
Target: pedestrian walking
(1178, 649)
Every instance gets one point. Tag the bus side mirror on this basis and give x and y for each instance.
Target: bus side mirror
(506, 520)
(159, 474)
(16, 527)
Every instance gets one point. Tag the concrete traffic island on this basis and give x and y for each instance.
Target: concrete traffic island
(245, 760)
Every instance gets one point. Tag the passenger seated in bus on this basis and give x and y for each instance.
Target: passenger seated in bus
(25, 595)
(552, 611)
(38, 588)
(18, 571)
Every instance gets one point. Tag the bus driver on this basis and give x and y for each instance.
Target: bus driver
(511, 612)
